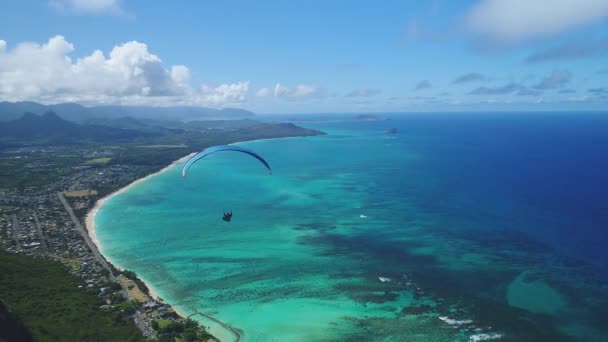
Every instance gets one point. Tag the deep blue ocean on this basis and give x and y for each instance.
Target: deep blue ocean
(542, 174)
(456, 227)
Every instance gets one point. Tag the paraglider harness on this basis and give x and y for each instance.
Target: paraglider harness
(227, 216)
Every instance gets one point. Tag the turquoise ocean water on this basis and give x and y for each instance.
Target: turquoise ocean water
(457, 228)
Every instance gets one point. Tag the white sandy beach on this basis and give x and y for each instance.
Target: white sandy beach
(90, 218)
(215, 328)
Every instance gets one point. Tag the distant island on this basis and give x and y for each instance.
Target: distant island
(369, 117)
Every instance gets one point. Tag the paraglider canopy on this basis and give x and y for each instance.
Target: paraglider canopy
(221, 148)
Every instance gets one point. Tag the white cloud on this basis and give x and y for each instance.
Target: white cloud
(299, 91)
(367, 92)
(557, 79)
(88, 6)
(225, 93)
(263, 92)
(517, 20)
(180, 74)
(577, 99)
(130, 74)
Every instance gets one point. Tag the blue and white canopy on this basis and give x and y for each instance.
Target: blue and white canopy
(221, 148)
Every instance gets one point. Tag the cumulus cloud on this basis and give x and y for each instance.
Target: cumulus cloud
(180, 74)
(32, 70)
(263, 92)
(557, 79)
(571, 50)
(300, 91)
(225, 93)
(368, 92)
(500, 90)
(129, 74)
(518, 20)
(468, 78)
(425, 84)
(88, 6)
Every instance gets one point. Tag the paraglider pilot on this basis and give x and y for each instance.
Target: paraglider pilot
(227, 216)
(220, 148)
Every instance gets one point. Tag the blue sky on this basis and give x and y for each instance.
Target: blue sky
(309, 56)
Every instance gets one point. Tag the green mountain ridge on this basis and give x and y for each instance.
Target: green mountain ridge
(79, 113)
(49, 128)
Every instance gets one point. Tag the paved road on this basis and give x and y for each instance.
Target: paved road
(16, 232)
(145, 328)
(40, 234)
(138, 317)
(85, 235)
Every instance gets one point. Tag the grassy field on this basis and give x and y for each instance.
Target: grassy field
(80, 193)
(47, 298)
(163, 323)
(132, 289)
(98, 161)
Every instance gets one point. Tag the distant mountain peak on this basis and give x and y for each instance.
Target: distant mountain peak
(50, 114)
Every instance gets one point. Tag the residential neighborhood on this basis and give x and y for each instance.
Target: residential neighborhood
(47, 222)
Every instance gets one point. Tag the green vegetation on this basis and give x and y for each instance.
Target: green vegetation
(49, 128)
(162, 324)
(98, 161)
(50, 303)
(128, 307)
(35, 169)
(186, 330)
(38, 157)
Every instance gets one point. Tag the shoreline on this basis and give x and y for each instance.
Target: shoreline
(90, 217)
(222, 331)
